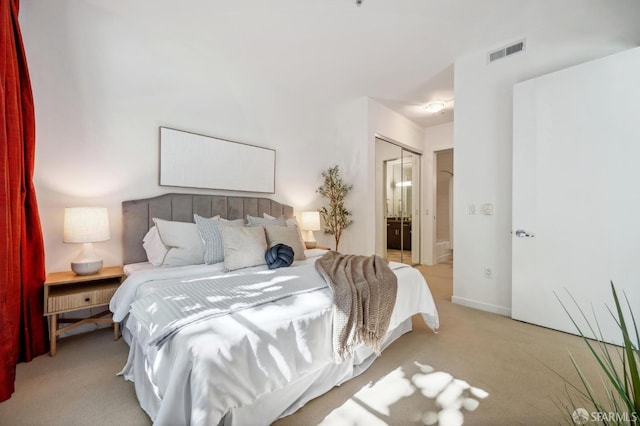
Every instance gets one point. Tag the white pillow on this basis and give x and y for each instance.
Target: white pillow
(152, 244)
(183, 242)
(287, 235)
(290, 221)
(244, 246)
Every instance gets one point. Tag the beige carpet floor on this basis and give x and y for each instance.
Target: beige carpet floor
(479, 369)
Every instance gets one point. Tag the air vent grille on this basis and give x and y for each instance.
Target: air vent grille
(506, 51)
(515, 48)
(494, 56)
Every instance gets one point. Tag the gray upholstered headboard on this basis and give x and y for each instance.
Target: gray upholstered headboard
(137, 215)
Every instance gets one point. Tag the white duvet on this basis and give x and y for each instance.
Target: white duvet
(210, 368)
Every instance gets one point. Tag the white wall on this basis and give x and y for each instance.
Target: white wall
(102, 87)
(482, 155)
(351, 155)
(358, 123)
(387, 123)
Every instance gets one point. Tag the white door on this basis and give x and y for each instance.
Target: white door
(576, 192)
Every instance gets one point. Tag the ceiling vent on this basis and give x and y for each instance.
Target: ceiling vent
(506, 51)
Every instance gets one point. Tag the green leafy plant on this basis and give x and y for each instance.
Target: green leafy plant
(336, 217)
(618, 367)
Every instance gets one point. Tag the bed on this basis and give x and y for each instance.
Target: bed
(261, 357)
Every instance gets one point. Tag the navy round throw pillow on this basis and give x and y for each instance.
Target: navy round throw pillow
(278, 256)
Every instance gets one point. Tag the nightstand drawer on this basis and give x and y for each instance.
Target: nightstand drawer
(73, 297)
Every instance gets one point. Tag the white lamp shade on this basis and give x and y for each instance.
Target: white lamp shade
(310, 221)
(86, 224)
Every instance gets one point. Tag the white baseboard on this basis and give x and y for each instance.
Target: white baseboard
(500, 310)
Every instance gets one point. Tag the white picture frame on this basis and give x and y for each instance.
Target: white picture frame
(192, 160)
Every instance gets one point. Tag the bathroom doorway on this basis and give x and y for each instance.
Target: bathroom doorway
(443, 243)
(398, 177)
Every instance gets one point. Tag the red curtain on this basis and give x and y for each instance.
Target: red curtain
(23, 331)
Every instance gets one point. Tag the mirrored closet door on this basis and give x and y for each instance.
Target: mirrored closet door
(398, 202)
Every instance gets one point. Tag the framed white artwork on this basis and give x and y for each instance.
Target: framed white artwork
(198, 161)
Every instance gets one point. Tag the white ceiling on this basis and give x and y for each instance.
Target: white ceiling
(400, 52)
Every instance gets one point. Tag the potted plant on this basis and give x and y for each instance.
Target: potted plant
(335, 216)
(619, 373)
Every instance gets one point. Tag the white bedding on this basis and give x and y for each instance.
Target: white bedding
(223, 369)
(167, 310)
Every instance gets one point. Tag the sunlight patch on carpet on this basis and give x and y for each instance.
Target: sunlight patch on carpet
(445, 399)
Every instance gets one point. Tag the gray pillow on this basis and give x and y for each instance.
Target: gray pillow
(259, 221)
(210, 234)
(287, 235)
(244, 246)
(234, 222)
(290, 221)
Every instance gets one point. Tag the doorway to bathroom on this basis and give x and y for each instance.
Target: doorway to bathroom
(398, 178)
(443, 242)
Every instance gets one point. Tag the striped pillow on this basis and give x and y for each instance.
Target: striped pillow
(210, 234)
(259, 221)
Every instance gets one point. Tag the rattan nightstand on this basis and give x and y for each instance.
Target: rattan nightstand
(68, 292)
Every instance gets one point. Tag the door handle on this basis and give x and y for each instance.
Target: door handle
(521, 233)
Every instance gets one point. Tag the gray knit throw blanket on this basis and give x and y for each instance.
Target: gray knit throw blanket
(364, 294)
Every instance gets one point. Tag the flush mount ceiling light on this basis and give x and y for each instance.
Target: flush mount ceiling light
(434, 107)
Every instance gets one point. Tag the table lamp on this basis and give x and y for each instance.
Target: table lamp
(86, 225)
(310, 222)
